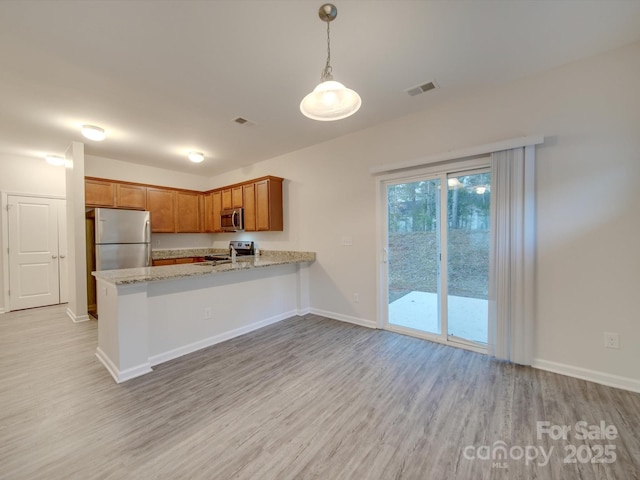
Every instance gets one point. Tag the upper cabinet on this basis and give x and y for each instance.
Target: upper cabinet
(131, 196)
(99, 193)
(268, 194)
(161, 202)
(249, 201)
(236, 197)
(188, 217)
(187, 211)
(113, 194)
(226, 198)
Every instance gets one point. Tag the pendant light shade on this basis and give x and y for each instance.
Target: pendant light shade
(330, 100)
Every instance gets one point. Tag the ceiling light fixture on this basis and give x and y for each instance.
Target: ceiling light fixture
(55, 160)
(196, 157)
(93, 133)
(330, 100)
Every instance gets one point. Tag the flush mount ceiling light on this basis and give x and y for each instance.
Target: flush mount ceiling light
(93, 133)
(196, 157)
(330, 100)
(55, 160)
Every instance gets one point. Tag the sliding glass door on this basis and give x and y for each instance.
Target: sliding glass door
(414, 255)
(468, 201)
(437, 271)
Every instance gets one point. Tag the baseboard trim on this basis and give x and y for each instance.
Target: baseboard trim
(344, 318)
(77, 318)
(124, 375)
(208, 342)
(602, 378)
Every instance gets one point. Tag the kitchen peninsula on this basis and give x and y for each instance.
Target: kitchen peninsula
(154, 314)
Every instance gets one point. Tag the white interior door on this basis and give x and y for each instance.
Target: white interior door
(34, 279)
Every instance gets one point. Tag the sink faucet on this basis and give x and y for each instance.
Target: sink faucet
(233, 254)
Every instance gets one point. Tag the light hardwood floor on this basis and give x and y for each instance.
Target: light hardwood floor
(306, 398)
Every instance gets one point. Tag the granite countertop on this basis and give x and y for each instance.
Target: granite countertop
(151, 274)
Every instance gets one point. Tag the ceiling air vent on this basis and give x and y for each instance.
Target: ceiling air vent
(422, 88)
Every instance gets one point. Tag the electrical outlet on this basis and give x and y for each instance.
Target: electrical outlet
(347, 241)
(207, 313)
(611, 340)
(356, 297)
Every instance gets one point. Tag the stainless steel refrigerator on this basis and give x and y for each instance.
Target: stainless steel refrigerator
(115, 239)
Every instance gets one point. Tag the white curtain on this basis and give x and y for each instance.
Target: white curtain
(512, 251)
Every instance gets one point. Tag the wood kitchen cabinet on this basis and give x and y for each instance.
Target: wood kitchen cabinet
(249, 200)
(269, 214)
(226, 199)
(188, 217)
(212, 208)
(99, 193)
(131, 196)
(161, 202)
(188, 211)
(113, 194)
(175, 261)
(237, 199)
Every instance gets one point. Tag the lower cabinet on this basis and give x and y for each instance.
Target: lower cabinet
(176, 261)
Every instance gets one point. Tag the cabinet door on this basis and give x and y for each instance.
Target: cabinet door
(216, 202)
(163, 261)
(99, 193)
(237, 197)
(249, 194)
(262, 205)
(185, 260)
(269, 205)
(226, 199)
(187, 212)
(162, 205)
(131, 196)
(208, 213)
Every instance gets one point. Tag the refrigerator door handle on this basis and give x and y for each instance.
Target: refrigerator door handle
(147, 231)
(149, 258)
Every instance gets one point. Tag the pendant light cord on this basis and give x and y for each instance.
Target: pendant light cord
(326, 73)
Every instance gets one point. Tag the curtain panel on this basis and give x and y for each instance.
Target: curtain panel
(512, 255)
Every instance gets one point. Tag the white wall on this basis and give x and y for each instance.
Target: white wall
(28, 176)
(588, 221)
(130, 172)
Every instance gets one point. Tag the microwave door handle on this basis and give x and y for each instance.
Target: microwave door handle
(233, 219)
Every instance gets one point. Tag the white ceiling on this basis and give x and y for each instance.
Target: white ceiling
(166, 77)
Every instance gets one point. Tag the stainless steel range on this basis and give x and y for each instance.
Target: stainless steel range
(240, 247)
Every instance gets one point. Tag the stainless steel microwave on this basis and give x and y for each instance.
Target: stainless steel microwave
(232, 220)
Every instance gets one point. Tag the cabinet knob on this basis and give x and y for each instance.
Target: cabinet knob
(62, 256)
(54, 256)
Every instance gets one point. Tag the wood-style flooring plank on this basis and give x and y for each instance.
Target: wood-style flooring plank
(307, 398)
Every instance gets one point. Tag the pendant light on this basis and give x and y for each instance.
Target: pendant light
(330, 100)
